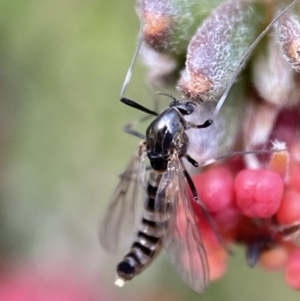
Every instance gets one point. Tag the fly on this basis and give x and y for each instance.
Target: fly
(166, 201)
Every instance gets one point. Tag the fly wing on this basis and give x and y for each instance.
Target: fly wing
(121, 219)
(182, 239)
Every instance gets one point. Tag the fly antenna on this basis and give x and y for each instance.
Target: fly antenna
(135, 55)
(168, 95)
(246, 56)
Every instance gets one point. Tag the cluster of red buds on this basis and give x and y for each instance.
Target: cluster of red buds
(255, 199)
(259, 208)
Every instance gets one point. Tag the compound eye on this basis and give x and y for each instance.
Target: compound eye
(189, 108)
(189, 103)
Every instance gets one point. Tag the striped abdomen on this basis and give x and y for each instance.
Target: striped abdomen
(148, 241)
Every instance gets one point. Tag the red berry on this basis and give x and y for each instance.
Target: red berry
(228, 220)
(295, 152)
(209, 236)
(292, 271)
(258, 192)
(294, 179)
(217, 263)
(274, 258)
(215, 188)
(289, 209)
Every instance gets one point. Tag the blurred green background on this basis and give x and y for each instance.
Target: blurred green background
(62, 65)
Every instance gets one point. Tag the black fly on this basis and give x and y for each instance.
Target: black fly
(166, 198)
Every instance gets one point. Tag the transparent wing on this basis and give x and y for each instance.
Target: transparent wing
(182, 239)
(125, 208)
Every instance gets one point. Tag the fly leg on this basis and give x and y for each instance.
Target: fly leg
(128, 128)
(204, 209)
(276, 148)
(137, 106)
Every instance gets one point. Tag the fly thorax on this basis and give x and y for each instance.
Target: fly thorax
(164, 136)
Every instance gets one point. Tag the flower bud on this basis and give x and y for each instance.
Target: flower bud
(274, 79)
(288, 34)
(170, 24)
(217, 48)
